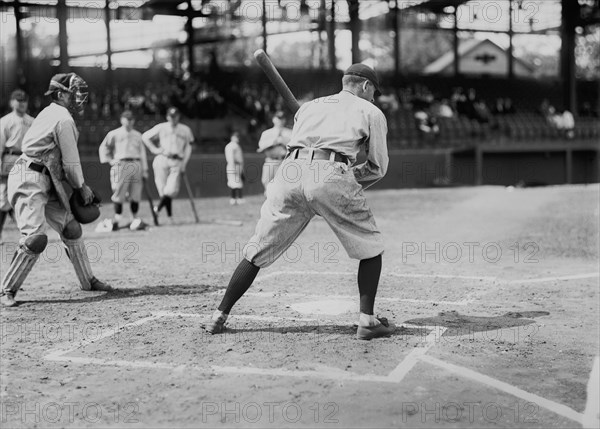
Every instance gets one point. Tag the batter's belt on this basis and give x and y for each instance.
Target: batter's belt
(318, 154)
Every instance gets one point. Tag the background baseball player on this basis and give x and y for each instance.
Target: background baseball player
(12, 129)
(172, 155)
(273, 143)
(124, 149)
(315, 179)
(35, 187)
(235, 168)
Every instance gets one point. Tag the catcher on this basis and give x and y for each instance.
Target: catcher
(36, 190)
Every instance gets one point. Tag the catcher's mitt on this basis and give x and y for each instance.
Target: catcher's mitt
(82, 213)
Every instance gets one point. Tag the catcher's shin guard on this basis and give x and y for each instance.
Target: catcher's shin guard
(20, 266)
(78, 255)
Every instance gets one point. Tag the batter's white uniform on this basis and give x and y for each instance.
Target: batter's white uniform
(235, 165)
(12, 130)
(126, 153)
(316, 178)
(273, 144)
(173, 153)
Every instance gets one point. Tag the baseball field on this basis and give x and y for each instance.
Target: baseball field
(494, 293)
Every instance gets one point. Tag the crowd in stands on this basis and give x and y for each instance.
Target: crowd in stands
(465, 114)
(412, 110)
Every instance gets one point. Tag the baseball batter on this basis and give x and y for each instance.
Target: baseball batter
(235, 167)
(172, 155)
(36, 191)
(318, 178)
(125, 151)
(12, 129)
(273, 143)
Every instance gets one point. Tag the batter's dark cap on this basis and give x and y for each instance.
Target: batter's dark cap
(173, 111)
(59, 82)
(127, 114)
(367, 72)
(19, 95)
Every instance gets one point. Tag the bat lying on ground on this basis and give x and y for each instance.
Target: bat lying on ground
(149, 198)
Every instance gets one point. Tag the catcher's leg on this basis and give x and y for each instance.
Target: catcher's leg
(23, 261)
(77, 253)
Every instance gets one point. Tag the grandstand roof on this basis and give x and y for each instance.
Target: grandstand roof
(465, 48)
(438, 6)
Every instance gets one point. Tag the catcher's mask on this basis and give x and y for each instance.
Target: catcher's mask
(74, 85)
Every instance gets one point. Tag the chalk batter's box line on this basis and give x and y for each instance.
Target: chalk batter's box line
(418, 354)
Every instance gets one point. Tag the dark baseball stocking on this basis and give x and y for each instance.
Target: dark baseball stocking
(369, 271)
(241, 280)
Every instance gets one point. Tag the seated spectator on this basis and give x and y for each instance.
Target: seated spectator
(442, 109)
(425, 122)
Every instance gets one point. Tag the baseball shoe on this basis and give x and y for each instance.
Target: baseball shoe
(98, 285)
(240, 201)
(7, 299)
(137, 224)
(216, 326)
(382, 329)
(232, 202)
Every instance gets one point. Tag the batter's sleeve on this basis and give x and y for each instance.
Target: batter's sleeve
(106, 149)
(149, 137)
(3, 137)
(376, 165)
(66, 135)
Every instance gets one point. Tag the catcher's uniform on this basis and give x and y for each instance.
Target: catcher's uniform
(273, 144)
(173, 153)
(35, 189)
(12, 129)
(317, 178)
(126, 153)
(235, 165)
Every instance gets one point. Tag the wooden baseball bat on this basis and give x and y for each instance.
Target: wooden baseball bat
(267, 66)
(149, 198)
(190, 195)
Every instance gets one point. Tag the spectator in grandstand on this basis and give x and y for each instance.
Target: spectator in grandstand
(425, 122)
(442, 109)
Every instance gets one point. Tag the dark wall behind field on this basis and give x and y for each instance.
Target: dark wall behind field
(408, 169)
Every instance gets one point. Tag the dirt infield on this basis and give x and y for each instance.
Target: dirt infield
(495, 294)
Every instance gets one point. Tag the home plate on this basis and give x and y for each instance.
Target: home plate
(328, 306)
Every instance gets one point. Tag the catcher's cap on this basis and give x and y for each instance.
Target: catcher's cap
(127, 114)
(19, 95)
(59, 82)
(173, 111)
(367, 72)
(82, 213)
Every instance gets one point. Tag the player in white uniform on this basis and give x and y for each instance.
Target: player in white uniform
(12, 129)
(318, 178)
(37, 193)
(235, 169)
(125, 151)
(172, 155)
(273, 143)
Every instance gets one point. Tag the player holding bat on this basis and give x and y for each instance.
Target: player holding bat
(318, 177)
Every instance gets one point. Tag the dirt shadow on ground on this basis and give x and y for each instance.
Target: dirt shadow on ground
(323, 332)
(459, 324)
(159, 290)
